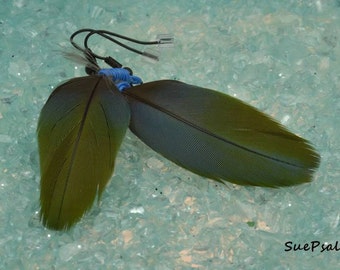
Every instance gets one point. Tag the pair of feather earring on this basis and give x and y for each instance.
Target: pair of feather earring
(83, 123)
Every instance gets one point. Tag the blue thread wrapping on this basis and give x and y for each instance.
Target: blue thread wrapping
(120, 77)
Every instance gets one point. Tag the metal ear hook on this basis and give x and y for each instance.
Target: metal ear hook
(163, 41)
(121, 76)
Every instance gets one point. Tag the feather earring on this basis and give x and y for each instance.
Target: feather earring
(83, 123)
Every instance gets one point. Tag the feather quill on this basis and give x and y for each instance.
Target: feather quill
(218, 136)
(80, 130)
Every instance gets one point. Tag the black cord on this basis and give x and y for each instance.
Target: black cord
(109, 36)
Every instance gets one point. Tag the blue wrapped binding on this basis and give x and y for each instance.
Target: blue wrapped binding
(121, 77)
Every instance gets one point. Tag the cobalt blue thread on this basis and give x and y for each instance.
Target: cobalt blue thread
(122, 85)
(116, 73)
(120, 77)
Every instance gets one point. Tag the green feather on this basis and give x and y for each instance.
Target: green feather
(80, 130)
(218, 136)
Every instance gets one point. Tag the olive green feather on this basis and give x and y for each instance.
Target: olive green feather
(80, 130)
(218, 136)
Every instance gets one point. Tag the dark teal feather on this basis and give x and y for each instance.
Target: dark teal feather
(218, 136)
